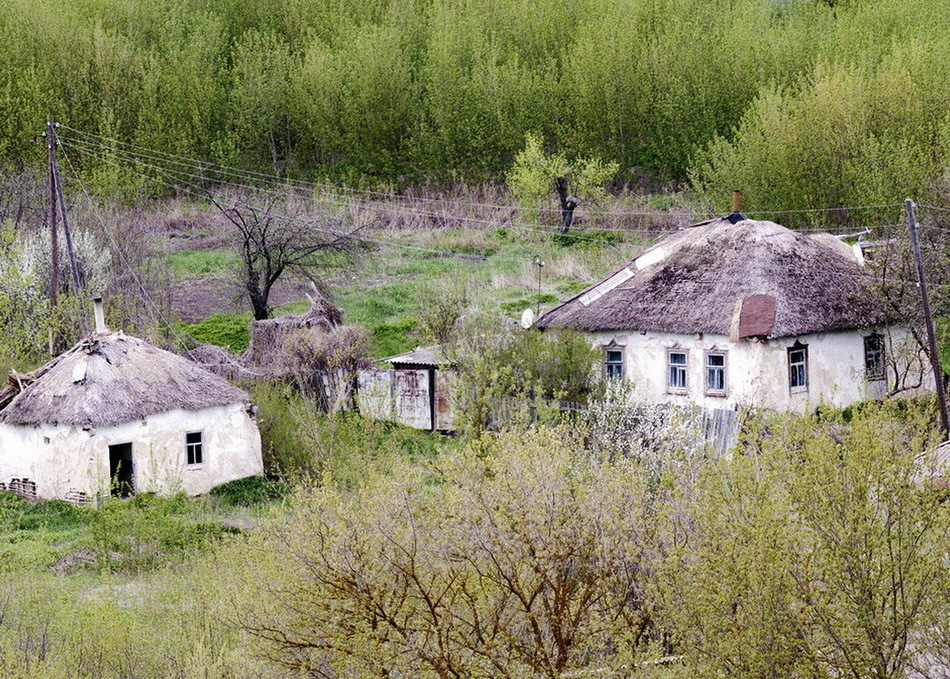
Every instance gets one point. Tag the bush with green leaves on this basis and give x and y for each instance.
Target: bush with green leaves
(506, 373)
(818, 549)
(148, 532)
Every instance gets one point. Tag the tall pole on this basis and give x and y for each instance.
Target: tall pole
(928, 320)
(54, 213)
(58, 186)
(539, 264)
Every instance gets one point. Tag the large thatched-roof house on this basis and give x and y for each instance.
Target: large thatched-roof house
(117, 414)
(737, 312)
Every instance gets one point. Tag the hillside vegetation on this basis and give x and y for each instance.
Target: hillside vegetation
(801, 103)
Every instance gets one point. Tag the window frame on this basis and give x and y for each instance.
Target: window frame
(878, 373)
(194, 450)
(611, 367)
(722, 369)
(682, 369)
(795, 367)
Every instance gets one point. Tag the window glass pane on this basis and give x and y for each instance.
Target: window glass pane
(715, 372)
(614, 364)
(797, 368)
(193, 451)
(874, 357)
(677, 370)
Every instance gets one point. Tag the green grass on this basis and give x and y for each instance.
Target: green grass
(195, 262)
(249, 491)
(231, 331)
(517, 306)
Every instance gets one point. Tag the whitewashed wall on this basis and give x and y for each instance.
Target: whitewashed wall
(61, 459)
(757, 370)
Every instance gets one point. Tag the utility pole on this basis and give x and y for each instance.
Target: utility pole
(56, 186)
(538, 263)
(928, 320)
(53, 214)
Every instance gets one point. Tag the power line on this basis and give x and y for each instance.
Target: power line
(121, 251)
(338, 192)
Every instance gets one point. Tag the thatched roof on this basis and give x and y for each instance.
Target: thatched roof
(110, 378)
(705, 278)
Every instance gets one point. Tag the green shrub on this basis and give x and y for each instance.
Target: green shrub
(572, 287)
(148, 532)
(50, 514)
(528, 302)
(393, 338)
(588, 239)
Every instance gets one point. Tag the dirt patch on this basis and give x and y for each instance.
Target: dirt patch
(198, 297)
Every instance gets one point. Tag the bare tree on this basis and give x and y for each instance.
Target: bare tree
(272, 235)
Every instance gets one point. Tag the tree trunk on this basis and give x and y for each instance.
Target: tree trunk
(568, 203)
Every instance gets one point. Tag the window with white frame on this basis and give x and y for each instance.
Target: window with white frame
(613, 364)
(798, 367)
(874, 357)
(194, 450)
(716, 373)
(676, 370)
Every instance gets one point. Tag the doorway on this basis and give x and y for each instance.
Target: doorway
(120, 470)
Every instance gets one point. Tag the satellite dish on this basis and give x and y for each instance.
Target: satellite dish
(527, 319)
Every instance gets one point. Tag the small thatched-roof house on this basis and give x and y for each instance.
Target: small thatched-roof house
(117, 413)
(736, 312)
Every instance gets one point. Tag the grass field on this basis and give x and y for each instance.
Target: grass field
(384, 289)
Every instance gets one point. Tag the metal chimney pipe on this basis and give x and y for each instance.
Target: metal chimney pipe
(736, 200)
(100, 315)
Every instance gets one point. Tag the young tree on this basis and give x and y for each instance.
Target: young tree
(273, 234)
(536, 173)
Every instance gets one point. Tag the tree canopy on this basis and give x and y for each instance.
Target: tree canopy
(836, 103)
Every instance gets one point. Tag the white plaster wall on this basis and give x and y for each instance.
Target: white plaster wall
(757, 370)
(62, 459)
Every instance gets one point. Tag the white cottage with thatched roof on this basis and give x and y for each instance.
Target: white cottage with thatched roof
(736, 312)
(117, 414)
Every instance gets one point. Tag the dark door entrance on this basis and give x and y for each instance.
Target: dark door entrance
(120, 469)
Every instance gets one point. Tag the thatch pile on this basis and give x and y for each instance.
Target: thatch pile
(110, 378)
(270, 338)
(691, 283)
(222, 363)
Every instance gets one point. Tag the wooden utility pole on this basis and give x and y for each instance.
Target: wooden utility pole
(928, 319)
(53, 214)
(56, 185)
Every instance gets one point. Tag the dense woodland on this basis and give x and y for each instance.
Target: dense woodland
(800, 103)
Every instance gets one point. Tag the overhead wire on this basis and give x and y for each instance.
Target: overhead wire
(190, 188)
(187, 176)
(122, 255)
(280, 181)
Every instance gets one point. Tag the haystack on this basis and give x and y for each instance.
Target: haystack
(270, 337)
